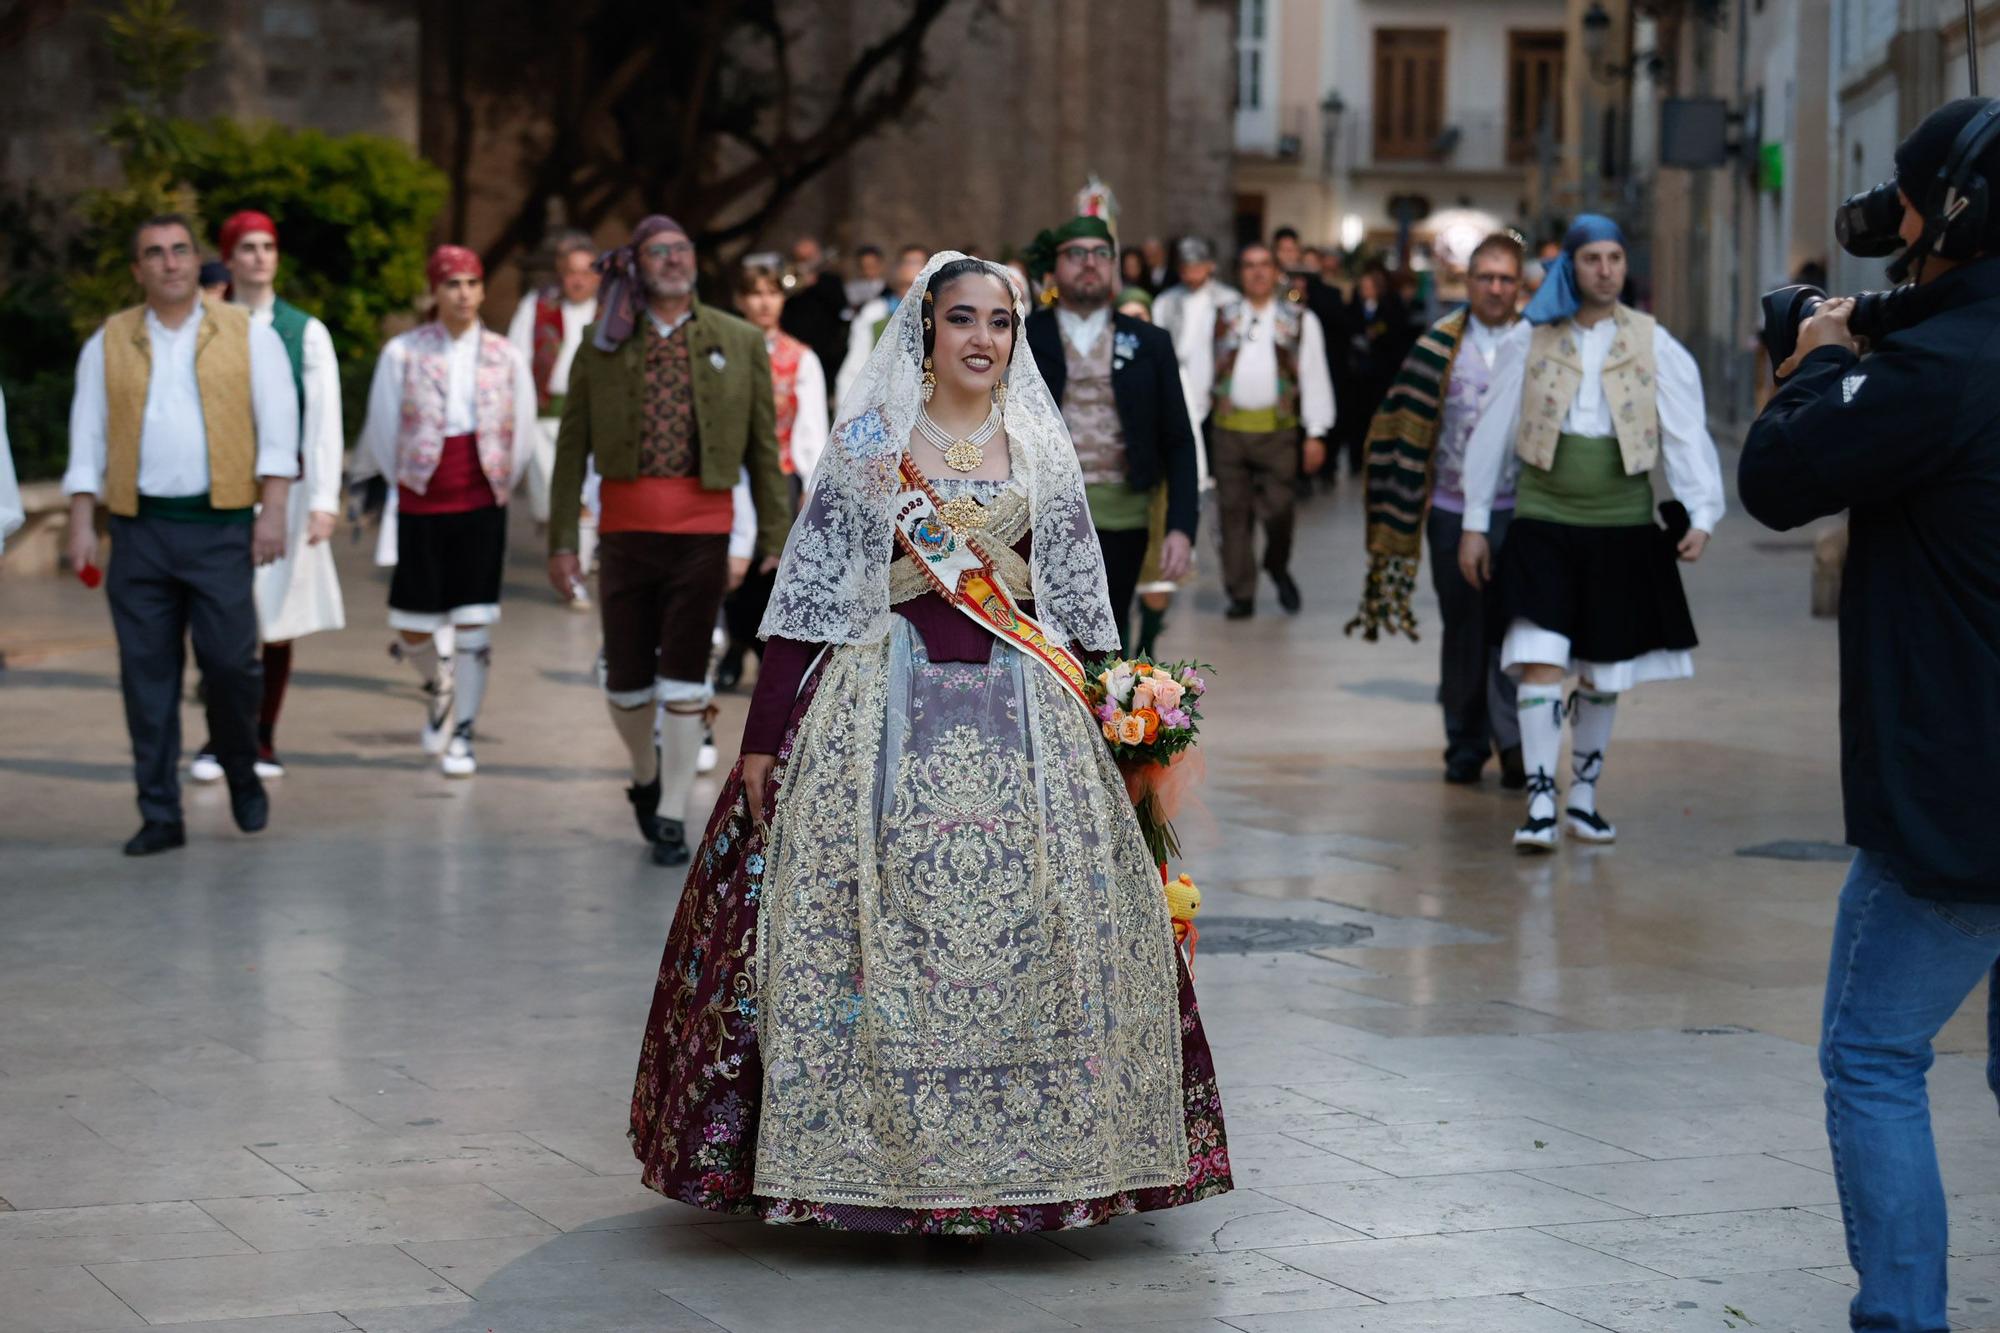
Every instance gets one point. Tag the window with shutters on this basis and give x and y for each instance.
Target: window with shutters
(1409, 92)
(1534, 91)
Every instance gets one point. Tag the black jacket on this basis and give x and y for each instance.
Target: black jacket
(813, 315)
(1159, 441)
(1907, 440)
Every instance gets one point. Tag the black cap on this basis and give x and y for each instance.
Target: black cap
(215, 273)
(1920, 157)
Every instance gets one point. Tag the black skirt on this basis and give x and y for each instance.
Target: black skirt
(445, 561)
(1614, 593)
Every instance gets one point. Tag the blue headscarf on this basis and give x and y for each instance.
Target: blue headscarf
(1558, 298)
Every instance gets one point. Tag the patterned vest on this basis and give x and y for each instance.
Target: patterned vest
(785, 350)
(1288, 324)
(1555, 374)
(222, 375)
(1090, 410)
(427, 381)
(1465, 393)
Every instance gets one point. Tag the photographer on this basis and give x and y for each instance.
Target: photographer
(1906, 437)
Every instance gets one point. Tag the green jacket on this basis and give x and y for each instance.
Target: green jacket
(733, 411)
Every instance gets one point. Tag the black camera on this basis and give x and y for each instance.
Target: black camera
(1876, 315)
(1869, 224)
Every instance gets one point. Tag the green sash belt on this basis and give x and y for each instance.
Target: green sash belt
(1586, 487)
(554, 409)
(192, 509)
(1116, 507)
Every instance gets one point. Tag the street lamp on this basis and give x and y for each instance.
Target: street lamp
(1331, 108)
(1596, 36)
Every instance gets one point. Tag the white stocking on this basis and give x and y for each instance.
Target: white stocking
(1541, 711)
(1590, 736)
(474, 660)
(680, 750)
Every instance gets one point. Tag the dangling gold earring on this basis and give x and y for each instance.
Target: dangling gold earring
(999, 395)
(930, 380)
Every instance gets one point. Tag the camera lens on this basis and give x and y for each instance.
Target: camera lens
(1868, 224)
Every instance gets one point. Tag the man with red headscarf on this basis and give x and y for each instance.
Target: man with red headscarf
(451, 421)
(672, 400)
(299, 592)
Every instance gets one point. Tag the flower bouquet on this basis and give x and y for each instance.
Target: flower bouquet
(1151, 714)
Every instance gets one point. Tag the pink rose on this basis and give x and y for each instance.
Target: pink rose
(1167, 694)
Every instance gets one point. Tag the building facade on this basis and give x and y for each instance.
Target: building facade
(1358, 118)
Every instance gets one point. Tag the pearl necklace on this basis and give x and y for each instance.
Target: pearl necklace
(966, 455)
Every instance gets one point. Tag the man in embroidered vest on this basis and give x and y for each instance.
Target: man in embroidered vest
(1187, 312)
(672, 399)
(1416, 464)
(185, 419)
(451, 420)
(1119, 387)
(299, 592)
(1271, 381)
(1590, 394)
(547, 329)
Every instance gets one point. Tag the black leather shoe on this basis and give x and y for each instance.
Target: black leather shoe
(1288, 593)
(670, 845)
(248, 803)
(1513, 775)
(156, 835)
(1240, 610)
(1463, 772)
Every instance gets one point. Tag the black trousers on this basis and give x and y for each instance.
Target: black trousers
(1478, 697)
(1124, 558)
(169, 581)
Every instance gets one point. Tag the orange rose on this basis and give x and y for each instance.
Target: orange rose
(1151, 720)
(1110, 733)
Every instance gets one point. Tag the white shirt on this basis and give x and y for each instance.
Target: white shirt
(521, 333)
(809, 421)
(1083, 331)
(12, 515)
(1694, 474)
(173, 440)
(860, 346)
(382, 431)
(1485, 339)
(1253, 381)
(322, 444)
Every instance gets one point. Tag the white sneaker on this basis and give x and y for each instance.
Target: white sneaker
(458, 761)
(205, 768)
(1589, 826)
(273, 767)
(437, 716)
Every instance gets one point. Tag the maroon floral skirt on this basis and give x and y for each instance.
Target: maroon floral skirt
(695, 1101)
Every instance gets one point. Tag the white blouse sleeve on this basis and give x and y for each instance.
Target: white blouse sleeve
(742, 517)
(809, 423)
(527, 425)
(382, 428)
(1316, 405)
(521, 329)
(12, 514)
(85, 473)
(321, 439)
(274, 404)
(1492, 439)
(1694, 473)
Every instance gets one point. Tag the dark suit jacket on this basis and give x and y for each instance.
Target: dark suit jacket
(1159, 441)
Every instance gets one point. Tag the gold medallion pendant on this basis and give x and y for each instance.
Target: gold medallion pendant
(965, 456)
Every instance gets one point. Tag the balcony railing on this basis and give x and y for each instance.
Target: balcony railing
(1469, 143)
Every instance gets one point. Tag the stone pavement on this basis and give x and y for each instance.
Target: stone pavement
(369, 1070)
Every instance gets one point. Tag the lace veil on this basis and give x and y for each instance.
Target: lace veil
(833, 584)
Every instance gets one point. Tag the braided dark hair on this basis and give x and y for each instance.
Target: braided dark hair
(952, 272)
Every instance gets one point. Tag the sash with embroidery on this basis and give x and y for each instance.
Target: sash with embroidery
(966, 579)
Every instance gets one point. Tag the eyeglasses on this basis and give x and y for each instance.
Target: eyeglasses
(668, 250)
(1497, 279)
(157, 254)
(1086, 254)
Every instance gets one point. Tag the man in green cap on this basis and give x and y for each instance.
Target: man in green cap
(1119, 387)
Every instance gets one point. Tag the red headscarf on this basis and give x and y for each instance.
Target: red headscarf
(243, 224)
(449, 261)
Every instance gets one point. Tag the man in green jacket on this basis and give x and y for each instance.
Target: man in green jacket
(673, 399)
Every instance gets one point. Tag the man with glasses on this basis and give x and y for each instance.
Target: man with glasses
(672, 399)
(184, 423)
(1271, 384)
(1416, 463)
(1119, 387)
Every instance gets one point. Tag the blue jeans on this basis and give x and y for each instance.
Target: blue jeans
(1901, 967)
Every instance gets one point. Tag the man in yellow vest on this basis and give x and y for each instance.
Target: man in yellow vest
(1590, 395)
(185, 421)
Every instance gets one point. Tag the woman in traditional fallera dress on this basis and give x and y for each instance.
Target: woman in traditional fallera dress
(930, 986)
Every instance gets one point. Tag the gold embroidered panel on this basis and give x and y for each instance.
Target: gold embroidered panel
(966, 967)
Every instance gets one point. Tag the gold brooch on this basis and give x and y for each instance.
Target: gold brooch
(964, 514)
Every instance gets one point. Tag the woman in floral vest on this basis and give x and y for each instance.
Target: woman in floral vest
(451, 420)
